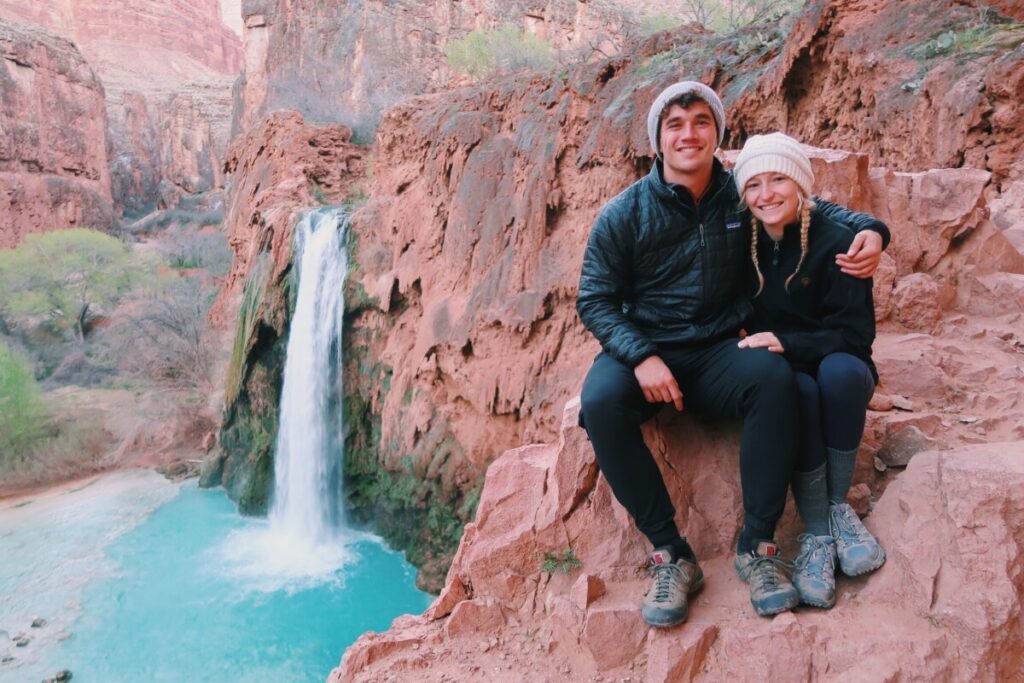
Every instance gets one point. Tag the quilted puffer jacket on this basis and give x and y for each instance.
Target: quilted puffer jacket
(661, 272)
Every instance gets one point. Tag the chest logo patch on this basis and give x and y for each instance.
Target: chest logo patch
(732, 225)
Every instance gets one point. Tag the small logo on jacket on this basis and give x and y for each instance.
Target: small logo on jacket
(732, 225)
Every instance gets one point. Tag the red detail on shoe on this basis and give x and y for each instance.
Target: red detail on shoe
(765, 549)
(659, 558)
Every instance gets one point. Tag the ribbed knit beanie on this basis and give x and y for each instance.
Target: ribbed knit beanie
(681, 88)
(774, 153)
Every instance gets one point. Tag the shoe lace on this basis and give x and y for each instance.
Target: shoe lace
(770, 571)
(814, 556)
(849, 524)
(667, 579)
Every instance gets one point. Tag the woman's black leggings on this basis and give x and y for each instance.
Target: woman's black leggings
(833, 408)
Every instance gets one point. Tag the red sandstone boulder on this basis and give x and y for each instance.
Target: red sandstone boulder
(916, 302)
(926, 211)
(948, 525)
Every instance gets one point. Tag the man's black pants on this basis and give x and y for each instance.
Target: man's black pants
(718, 380)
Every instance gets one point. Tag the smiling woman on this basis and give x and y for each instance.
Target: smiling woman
(822, 321)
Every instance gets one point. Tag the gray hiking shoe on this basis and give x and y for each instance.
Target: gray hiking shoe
(859, 552)
(665, 603)
(768, 575)
(815, 575)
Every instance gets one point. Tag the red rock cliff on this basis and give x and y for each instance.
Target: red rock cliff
(53, 137)
(167, 68)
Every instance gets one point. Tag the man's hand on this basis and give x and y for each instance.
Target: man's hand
(762, 340)
(862, 258)
(657, 382)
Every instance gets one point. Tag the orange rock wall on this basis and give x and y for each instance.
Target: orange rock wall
(53, 137)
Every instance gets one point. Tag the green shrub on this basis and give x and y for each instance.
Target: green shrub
(24, 420)
(61, 276)
(657, 23)
(565, 562)
(506, 48)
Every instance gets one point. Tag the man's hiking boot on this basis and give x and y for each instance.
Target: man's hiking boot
(665, 603)
(815, 575)
(768, 575)
(859, 552)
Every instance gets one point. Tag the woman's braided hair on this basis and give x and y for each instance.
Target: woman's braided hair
(806, 205)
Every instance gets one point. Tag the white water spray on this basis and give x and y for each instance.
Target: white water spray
(304, 541)
(307, 459)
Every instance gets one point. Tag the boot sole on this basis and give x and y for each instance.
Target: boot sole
(862, 572)
(822, 605)
(774, 611)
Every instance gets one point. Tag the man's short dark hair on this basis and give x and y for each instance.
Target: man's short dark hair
(686, 100)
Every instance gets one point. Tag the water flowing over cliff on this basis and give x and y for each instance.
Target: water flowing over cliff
(307, 458)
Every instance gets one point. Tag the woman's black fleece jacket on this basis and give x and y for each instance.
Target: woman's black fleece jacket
(824, 310)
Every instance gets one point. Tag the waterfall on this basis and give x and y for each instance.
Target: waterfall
(307, 457)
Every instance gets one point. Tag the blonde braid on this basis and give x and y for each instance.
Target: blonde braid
(805, 229)
(755, 228)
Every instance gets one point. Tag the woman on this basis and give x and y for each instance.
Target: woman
(823, 322)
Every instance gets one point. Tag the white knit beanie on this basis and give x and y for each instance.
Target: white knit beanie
(681, 88)
(774, 153)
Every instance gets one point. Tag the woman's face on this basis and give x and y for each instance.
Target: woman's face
(773, 198)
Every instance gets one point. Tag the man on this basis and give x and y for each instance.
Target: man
(661, 289)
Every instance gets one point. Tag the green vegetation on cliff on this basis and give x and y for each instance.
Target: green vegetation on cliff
(506, 48)
(253, 393)
(413, 511)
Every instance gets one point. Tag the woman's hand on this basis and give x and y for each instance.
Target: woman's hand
(762, 340)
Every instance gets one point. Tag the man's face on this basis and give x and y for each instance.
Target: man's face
(688, 140)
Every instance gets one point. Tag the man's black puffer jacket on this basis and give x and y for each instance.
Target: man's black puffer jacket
(659, 272)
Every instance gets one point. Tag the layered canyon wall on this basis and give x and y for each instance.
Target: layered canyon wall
(167, 71)
(53, 137)
(463, 339)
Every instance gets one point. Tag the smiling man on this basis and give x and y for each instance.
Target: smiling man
(661, 289)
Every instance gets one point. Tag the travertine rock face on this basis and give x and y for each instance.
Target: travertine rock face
(951, 525)
(53, 137)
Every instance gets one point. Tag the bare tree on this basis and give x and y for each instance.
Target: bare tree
(165, 337)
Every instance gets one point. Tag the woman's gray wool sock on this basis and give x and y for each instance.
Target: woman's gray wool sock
(840, 473)
(811, 493)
